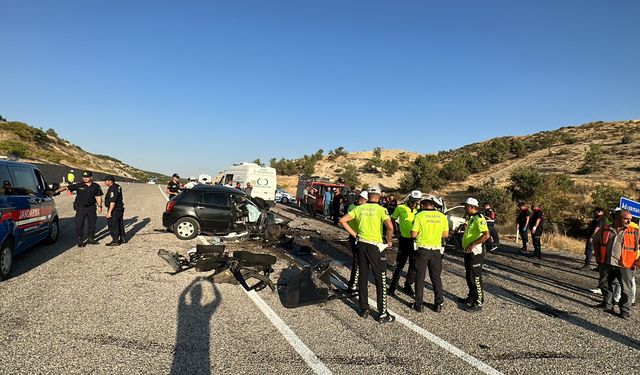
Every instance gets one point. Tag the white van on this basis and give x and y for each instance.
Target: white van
(263, 179)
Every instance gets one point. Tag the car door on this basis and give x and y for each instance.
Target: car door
(214, 211)
(456, 217)
(28, 220)
(47, 204)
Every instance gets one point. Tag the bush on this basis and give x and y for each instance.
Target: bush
(25, 132)
(499, 199)
(524, 183)
(592, 160)
(518, 147)
(627, 138)
(606, 196)
(15, 148)
(568, 138)
(456, 169)
(390, 167)
(496, 151)
(350, 175)
(423, 175)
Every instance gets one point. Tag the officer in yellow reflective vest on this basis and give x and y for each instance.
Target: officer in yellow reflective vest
(371, 216)
(474, 236)
(430, 227)
(405, 214)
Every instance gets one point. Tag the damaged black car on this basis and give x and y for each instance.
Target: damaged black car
(220, 211)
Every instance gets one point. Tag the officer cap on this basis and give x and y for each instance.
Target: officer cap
(87, 174)
(109, 178)
(175, 175)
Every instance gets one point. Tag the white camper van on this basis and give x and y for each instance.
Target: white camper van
(263, 179)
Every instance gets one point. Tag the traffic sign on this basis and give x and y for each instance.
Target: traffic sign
(631, 206)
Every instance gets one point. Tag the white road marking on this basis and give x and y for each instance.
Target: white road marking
(162, 191)
(303, 350)
(473, 361)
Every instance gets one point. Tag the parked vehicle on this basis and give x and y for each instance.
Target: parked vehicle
(282, 196)
(219, 210)
(321, 185)
(29, 214)
(263, 179)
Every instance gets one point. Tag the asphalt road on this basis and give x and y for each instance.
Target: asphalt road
(70, 310)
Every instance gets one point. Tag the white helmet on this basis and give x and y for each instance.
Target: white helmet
(415, 195)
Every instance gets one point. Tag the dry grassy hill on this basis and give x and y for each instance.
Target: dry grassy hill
(31, 144)
(558, 151)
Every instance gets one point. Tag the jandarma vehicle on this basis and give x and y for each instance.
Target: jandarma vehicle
(28, 213)
(219, 210)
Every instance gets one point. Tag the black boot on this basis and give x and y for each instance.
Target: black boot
(92, 241)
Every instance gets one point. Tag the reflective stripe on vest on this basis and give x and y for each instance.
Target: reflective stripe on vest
(629, 251)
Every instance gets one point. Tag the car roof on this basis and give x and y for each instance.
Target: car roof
(16, 163)
(218, 189)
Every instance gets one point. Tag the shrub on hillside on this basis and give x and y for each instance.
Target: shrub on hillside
(627, 138)
(423, 175)
(350, 175)
(525, 182)
(592, 160)
(24, 131)
(456, 169)
(15, 148)
(517, 147)
(606, 196)
(390, 167)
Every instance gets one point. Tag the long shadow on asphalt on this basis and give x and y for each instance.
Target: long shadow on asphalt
(192, 352)
(131, 227)
(42, 253)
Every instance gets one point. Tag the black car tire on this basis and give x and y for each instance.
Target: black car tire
(54, 233)
(186, 228)
(6, 260)
(284, 200)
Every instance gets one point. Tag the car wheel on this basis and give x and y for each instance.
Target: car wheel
(186, 228)
(6, 260)
(54, 233)
(284, 200)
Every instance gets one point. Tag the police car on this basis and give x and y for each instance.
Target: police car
(28, 214)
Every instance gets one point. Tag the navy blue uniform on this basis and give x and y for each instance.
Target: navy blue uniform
(494, 239)
(116, 227)
(85, 206)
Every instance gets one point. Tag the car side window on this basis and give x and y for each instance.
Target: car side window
(42, 185)
(24, 181)
(214, 199)
(5, 179)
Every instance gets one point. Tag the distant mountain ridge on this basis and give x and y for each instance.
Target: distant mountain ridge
(27, 143)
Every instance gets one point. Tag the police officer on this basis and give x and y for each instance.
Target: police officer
(494, 240)
(174, 186)
(115, 210)
(405, 213)
(430, 228)
(88, 196)
(474, 236)
(352, 285)
(370, 218)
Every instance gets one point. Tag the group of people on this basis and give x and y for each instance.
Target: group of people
(423, 232)
(532, 222)
(88, 204)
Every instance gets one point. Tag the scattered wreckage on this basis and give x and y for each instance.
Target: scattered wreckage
(309, 286)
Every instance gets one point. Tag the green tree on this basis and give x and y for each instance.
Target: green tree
(259, 162)
(525, 182)
(390, 167)
(423, 174)
(607, 196)
(350, 175)
(592, 160)
(517, 147)
(456, 169)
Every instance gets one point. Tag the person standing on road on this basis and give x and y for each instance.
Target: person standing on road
(88, 196)
(392, 203)
(327, 203)
(311, 202)
(536, 225)
(474, 236)
(174, 186)
(248, 188)
(522, 222)
(494, 240)
(115, 210)
(405, 213)
(616, 250)
(303, 201)
(371, 216)
(597, 222)
(430, 229)
(352, 285)
(336, 203)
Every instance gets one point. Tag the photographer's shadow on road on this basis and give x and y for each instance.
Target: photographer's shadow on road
(193, 336)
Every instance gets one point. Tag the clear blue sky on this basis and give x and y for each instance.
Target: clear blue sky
(194, 86)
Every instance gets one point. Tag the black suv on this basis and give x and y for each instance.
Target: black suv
(219, 210)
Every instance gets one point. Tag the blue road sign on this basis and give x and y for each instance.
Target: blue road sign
(631, 206)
